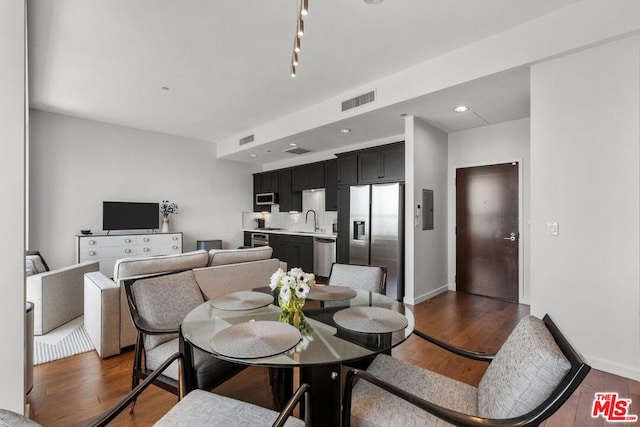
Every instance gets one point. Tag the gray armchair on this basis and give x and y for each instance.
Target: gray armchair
(157, 306)
(528, 379)
(57, 295)
(362, 277)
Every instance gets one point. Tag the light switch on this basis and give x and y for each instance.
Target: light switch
(552, 229)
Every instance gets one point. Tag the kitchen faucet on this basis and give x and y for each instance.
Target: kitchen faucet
(315, 222)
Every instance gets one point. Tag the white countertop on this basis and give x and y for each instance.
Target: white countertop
(295, 233)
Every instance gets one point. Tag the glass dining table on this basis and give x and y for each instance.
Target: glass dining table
(333, 332)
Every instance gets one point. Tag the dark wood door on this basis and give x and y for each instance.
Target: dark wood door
(487, 230)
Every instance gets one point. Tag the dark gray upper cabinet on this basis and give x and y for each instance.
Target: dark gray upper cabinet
(289, 200)
(331, 185)
(264, 182)
(381, 164)
(347, 169)
(308, 177)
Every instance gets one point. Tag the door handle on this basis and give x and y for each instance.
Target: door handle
(513, 237)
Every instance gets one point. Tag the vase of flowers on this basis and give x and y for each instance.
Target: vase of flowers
(293, 287)
(167, 208)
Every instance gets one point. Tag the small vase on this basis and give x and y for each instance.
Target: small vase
(165, 225)
(291, 310)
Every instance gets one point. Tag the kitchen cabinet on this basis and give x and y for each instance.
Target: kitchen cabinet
(308, 177)
(298, 252)
(289, 200)
(342, 248)
(347, 165)
(343, 208)
(264, 182)
(331, 185)
(381, 164)
(276, 241)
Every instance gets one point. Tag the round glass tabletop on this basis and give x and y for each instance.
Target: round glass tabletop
(323, 341)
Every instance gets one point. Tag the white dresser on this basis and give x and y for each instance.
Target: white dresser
(108, 248)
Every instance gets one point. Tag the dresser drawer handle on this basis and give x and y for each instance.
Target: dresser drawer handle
(92, 253)
(127, 251)
(175, 246)
(146, 249)
(146, 239)
(175, 237)
(127, 240)
(92, 242)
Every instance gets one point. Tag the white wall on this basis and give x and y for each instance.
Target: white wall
(585, 157)
(12, 188)
(75, 164)
(425, 250)
(501, 143)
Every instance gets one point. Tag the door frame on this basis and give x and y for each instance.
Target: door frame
(523, 297)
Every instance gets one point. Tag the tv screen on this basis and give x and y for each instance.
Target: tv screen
(130, 216)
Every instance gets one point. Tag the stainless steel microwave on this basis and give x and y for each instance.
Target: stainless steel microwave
(266, 198)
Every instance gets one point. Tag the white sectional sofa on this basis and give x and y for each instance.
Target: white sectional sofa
(218, 271)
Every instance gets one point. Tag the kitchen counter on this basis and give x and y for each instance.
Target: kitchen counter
(291, 232)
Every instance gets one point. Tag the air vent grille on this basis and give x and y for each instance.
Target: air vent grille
(246, 139)
(359, 100)
(296, 150)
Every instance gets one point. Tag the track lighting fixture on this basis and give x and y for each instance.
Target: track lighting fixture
(303, 10)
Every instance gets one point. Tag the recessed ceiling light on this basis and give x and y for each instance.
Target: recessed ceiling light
(461, 109)
(345, 130)
(164, 87)
(253, 155)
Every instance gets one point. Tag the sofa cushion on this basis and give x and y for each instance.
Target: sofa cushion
(129, 268)
(224, 279)
(524, 372)
(164, 301)
(234, 256)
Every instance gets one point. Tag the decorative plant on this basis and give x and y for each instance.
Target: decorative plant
(167, 208)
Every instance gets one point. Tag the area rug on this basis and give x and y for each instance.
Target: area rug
(64, 341)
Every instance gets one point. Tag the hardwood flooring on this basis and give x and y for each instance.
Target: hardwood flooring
(72, 391)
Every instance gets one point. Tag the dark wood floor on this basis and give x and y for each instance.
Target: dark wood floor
(71, 391)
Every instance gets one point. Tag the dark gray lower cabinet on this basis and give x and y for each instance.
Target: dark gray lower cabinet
(298, 252)
(276, 242)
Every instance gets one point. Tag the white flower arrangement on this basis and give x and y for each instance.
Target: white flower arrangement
(294, 286)
(167, 208)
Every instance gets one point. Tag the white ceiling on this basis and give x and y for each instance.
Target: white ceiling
(226, 63)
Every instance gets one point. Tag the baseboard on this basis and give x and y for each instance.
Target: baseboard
(631, 372)
(426, 296)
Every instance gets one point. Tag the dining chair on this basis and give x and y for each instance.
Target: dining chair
(362, 277)
(157, 306)
(202, 408)
(534, 372)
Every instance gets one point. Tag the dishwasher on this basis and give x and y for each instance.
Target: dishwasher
(324, 255)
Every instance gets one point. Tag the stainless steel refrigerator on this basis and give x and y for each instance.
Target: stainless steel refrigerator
(376, 231)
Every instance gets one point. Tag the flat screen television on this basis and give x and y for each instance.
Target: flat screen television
(130, 216)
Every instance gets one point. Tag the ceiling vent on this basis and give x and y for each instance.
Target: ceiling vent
(246, 139)
(359, 100)
(296, 150)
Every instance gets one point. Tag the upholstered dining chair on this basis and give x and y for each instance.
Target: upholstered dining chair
(157, 306)
(362, 277)
(535, 371)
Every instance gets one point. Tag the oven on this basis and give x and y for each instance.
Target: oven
(259, 239)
